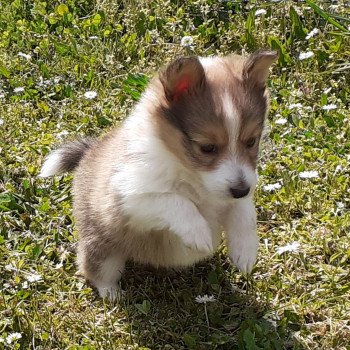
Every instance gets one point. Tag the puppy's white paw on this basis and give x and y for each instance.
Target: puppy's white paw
(109, 292)
(243, 252)
(199, 238)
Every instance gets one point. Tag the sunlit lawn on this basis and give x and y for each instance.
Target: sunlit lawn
(76, 68)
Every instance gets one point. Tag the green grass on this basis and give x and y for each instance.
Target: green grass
(294, 300)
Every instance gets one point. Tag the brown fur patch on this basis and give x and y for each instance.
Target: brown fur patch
(197, 118)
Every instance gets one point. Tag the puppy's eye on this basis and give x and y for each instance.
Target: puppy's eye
(208, 148)
(251, 142)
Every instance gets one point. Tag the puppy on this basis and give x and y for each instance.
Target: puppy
(159, 189)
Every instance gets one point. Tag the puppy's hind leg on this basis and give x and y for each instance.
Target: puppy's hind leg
(111, 270)
(102, 270)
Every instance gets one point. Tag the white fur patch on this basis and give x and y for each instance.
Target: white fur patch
(231, 171)
(232, 120)
(152, 168)
(109, 292)
(228, 174)
(110, 274)
(173, 212)
(208, 61)
(241, 234)
(52, 164)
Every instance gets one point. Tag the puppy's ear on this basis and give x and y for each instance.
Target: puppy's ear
(256, 67)
(182, 76)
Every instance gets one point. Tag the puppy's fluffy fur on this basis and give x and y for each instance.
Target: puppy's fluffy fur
(159, 189)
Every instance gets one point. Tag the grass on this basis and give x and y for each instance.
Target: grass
(298, 299)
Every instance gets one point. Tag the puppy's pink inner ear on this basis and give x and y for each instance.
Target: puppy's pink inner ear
(182, 86)
(181, 77)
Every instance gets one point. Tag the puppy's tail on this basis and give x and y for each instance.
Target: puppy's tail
(65, 158)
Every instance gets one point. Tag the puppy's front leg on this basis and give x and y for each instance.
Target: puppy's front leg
(170, 211)
(241, 234)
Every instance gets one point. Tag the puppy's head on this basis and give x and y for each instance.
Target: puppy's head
(212, 116)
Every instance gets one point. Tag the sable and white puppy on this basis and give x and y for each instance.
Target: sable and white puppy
(160, 188)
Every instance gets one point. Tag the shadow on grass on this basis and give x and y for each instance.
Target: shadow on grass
(162, 311)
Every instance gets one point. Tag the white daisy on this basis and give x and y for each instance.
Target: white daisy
(329, 107)
(338, 169)
(281, 121)
(312, 33)
(24, 55)
(13, 337)
(308, 174)
(260, 12)
(33, 277)
(62, 134)
(186, 41)
(292, 247)
(205, 299)
(90, 95)
(18, 89)
(305, 55)
(272, 187)
(295, 105)
(340, 205)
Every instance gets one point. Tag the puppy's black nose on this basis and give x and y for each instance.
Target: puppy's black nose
(239, 192)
